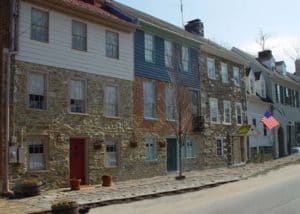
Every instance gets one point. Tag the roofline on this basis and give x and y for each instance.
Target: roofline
(85, 13)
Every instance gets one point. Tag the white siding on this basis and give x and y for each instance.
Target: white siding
(59, 53)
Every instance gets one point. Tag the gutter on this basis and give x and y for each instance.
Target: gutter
(7, 58)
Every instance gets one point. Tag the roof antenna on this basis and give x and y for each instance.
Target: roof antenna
(181, 9)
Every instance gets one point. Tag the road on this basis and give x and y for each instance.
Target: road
(277, 192)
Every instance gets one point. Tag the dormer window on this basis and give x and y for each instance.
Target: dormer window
(251, 83)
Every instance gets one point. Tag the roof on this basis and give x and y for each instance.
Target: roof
(94, 12)
(207, 45)
(253, 62)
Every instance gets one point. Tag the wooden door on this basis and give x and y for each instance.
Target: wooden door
(172, 155)
(77, 159)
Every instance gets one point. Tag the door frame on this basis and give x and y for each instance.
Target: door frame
(86, 142)
(177, 155)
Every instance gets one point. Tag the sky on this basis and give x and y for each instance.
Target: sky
(237, 22)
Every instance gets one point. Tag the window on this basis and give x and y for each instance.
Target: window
(263, 88)
(79, 36)
(150, 149)
(236, 76)
(252, 84)
(36, 154)
(238, 112)
(111, 101)
(211, 70)
(188, 149)
(265, 130)
(149, 48)
(39, 25)
(224, 72)
(37, 91)
(297, 99)
(227, 112)
(77, 96)
(254, 122)
(170, 103)
(149, 100)
(112, 44)
(220, 146)
(168, 54)
(277, 92)
(111, 153)
(195, 102)
(214, 112)
(185, 58)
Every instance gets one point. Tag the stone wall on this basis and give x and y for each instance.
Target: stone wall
(221, 91)
(58, 125)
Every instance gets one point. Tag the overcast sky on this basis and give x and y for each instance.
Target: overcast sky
(236, 22)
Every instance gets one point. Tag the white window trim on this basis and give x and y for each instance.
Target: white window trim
(236, 116)
(224, 65)
(210, 112)
(225, 102)
(222, 146)
(147, 150)
(107, 143)
(208, 59)
(238, 70)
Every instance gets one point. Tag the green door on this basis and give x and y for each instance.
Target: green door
(172, 155)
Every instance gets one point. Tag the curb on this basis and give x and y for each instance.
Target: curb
(85, 207)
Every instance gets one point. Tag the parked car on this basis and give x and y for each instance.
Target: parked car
(295, 149)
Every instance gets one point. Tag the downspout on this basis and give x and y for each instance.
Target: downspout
(9, 54)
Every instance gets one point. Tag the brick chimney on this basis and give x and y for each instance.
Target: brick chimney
(263, 55)
(196, 27)
(297, 64)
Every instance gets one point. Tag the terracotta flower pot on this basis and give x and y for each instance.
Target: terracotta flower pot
(106, 180)
(75, 183)
(162, 143)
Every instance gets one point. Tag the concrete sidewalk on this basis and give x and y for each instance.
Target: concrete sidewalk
(97, 195)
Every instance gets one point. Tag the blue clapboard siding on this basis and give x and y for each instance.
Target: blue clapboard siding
(157, 70)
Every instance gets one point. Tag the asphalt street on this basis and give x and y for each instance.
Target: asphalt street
(277, 192)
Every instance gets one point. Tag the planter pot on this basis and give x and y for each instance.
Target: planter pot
(98, 145)
(75, 184)
(133, 144)
(68, 209)
(162, 144)
(106, 180)
(27, 190)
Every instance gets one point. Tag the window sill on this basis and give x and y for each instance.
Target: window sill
(114, 58)
(80, 114)
(151, 118)
(151, 161)
(111, 167)
(190, 158)
(227, 124)
(36, 109)
(40, 42)
(38, 171)
(171, 120)
(216, 123)
(112, 117)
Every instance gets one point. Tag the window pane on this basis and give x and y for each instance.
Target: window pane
(214, 110)
(168, 54)
(150, 149)
(170, 103)
(111, 154)
(39, 25)
(112, 44)
(185, 58)
(227, 112)
(111, 101)
(211, 68)
(224, 72)
(149, 48)
(236, 76)
(36, 155)
(36, 91)
(77, 96)
(149, 100)
(79, 36)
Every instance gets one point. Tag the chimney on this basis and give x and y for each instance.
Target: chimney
(266, 54)
(196, 27)
(297, 64)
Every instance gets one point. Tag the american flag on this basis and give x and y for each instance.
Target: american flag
(269, 121)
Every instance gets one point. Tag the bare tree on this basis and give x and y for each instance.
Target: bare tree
(262, 39)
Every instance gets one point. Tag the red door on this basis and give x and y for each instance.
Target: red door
(77, 159)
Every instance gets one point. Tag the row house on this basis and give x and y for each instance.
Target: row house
(283, 92)
(71, 95)
(258, 102)
(223, 104)
(166, 60)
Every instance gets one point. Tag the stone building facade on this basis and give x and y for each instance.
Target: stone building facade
(217, 134)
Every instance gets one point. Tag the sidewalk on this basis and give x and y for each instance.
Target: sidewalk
(143, 188)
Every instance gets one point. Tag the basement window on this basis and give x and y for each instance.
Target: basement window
(36, 154)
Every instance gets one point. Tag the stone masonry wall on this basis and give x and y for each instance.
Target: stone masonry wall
(58, 126)
(221, 91)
